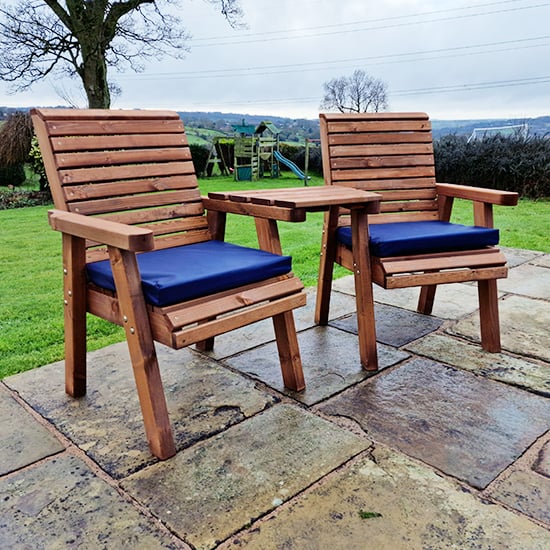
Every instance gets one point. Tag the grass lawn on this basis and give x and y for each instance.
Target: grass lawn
(31, 311)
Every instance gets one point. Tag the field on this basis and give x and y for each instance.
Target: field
(31, 316)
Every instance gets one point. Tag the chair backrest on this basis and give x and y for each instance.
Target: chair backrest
(132, 167)
(389, 153)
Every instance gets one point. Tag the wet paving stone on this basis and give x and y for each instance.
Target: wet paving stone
(452, 301)
(330, 359)
(394, 326)
(208, 492)
(61, 503)
(524, 326)
(262, 332)
(496, 366)
(390, 502)
(203, 398)
(526, 485)
(22, 439)
(466, 426)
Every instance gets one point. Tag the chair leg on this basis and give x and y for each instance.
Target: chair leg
(142, 353)
(363, 289)
(326, 267)
(488, 315)
(289, 352)
(74, 289)
(426, 299)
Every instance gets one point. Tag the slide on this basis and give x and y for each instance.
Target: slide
(290, 165)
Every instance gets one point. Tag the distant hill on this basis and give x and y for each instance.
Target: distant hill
(205, 124)
(537, 126)
(298, 129)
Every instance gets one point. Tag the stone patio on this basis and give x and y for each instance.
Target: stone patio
(447, 446)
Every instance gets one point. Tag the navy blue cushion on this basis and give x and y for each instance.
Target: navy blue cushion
(424, 237)
(176, 274)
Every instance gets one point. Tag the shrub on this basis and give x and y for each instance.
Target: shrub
(15, 143)
(199, 154)
(508, 163)
(37, 164)
(12, 175)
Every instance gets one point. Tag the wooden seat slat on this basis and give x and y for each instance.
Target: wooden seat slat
(156, 214)
(127, 141)
(131, 202)
(127, 187)
(390, 184)
(382, 173)
(378, 161)
(134, 171)
(122, 156)
(413, 125)
(112, 127)
(440, 262)
(380, 138)
(390, 149)
(407, 206)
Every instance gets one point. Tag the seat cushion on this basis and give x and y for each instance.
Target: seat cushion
(177, 274)
(423, 237)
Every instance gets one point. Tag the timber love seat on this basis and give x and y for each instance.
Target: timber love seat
(411, 240)
(138, 251)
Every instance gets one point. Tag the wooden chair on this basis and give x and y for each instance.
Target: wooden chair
(139, 252)
(411, 240)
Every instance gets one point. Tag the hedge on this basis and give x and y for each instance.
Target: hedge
(508, 163)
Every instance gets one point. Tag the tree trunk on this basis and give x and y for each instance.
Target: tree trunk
(94, 79)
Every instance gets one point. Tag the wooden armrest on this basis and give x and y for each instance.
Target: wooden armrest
(255, 210)
(119, 235)
(478, 194)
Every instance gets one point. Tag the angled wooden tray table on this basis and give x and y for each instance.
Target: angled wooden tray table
(292, 204)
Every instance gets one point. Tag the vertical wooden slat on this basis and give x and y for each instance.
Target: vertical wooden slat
(289, 352)
(488, 315)
(74, 289)
(142, 352)
(363, 289)
(326, 266)
(268, 235)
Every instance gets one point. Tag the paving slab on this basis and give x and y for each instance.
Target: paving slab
(496, 366)
(542, 464)
(61, 503)
(394, 326)
(203, 398)
(464, 425)
(260, 333)
(391, 502)
(518, 256)
(452, 301)
(208, 492)
(543, 261)
(527, 280)
(330, 359)
(526, 485)
(22, 439)
(524, 326)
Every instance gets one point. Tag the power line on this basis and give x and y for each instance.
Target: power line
(367, 21)
(232, 42)
(408, 57)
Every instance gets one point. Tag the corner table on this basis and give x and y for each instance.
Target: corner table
(268, 206)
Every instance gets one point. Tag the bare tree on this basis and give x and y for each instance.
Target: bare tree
(358, 93)
(82, 38)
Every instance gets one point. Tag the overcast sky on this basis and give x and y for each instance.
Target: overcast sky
(450, 58)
